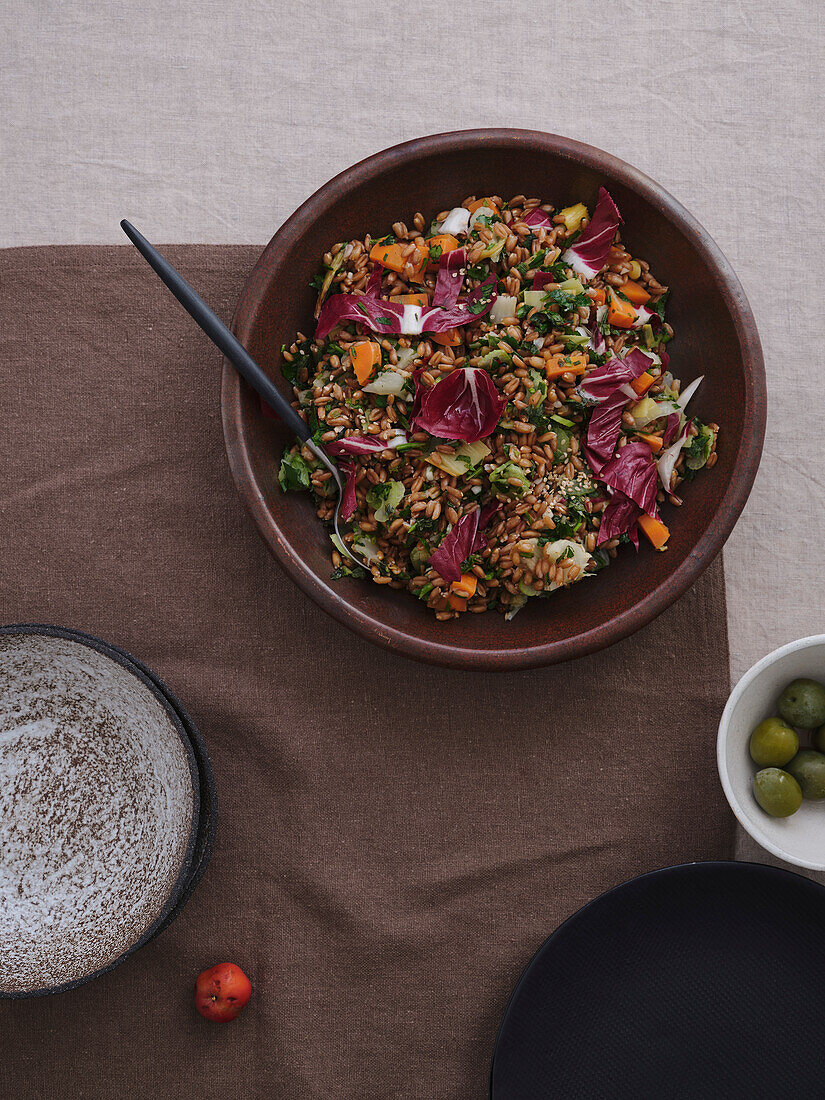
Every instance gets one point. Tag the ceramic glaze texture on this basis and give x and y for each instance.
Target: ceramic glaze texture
(96, 809)
(715, 336)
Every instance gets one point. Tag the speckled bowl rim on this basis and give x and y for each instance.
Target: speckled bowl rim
(208, 821)
(337, 601)
(749, 678)
(185, 871)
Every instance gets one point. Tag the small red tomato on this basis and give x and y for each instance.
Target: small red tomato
(221, 992)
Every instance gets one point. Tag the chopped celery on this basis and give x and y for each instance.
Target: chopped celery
(699, 449)
(337, 260)
(405, 358)
(504, 306)
(465, 458)
(385, 498)
(339, 546)
(388, 381)
(494, 249)
(571, 286)
(647, 410)
(497, 355)
(419, 556)
(534, 298)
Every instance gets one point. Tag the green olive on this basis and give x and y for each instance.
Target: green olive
(808, 769)
(802, 703)
(777, 793)
(773, 743)
(819, 739)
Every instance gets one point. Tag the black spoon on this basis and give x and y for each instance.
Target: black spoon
(237, 355)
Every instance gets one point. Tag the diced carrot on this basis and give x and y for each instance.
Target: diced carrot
(390, 255)
(655, 531)
(422, 300)
(449, 338)
(598, 295)
(365, 356)
(465, 587)
(653, 441)
(456, 602)
(446, 242)
(557, 365)
(477, 205)
(635, 292)
(620, 313)
(643, 383)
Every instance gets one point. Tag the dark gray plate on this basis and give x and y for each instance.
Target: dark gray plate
(704, 981)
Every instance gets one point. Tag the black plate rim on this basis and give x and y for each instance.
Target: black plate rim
(672, 871)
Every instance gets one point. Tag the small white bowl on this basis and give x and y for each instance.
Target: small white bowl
(799, 839)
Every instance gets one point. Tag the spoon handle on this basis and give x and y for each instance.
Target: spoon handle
(218, 332)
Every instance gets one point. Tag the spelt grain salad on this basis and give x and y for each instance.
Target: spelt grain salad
(496, 388)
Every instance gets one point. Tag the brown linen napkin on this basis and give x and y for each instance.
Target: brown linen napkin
(394, 840)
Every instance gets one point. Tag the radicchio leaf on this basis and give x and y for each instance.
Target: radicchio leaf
(598, 342)
(393, 318)
(615, 373)
(620, 517)
(487, 513)
(671, 429)
(364, 444)
(451, 270)
(589, 254)
(464, 405)
(377, 314)
(471, 308)
(538, 219)
(463, 539)
(603, 431)
(373, 287)
(633, 472)
(348, 501)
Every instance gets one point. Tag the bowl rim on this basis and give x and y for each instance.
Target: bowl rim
(180, 886)
(745, 820)
(452, 653)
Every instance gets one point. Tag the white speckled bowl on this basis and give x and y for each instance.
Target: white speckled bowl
(799, 839)
(99, 809)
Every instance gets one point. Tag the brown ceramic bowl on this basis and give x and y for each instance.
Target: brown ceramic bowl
(715, 336)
